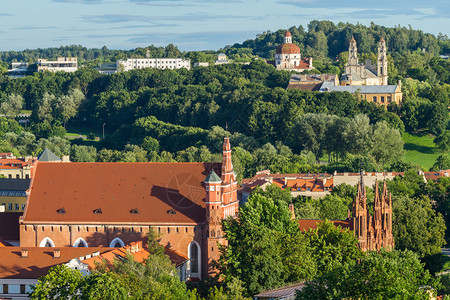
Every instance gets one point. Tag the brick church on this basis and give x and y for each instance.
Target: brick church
(114, 204)
(372, 232)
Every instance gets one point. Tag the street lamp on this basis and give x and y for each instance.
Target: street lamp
(103, 131)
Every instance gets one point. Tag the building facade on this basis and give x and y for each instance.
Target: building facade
(114, 204)
(367, 73)
(158, 63)
(64, 64)
(288, 56)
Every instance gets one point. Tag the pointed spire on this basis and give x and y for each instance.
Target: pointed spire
(353, 39)
(362, 187)
(382, 39)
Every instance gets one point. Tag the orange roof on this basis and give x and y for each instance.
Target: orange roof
(288, 33)
(288, 48)
(39, 260)
(9, 163)
(114, 193)
(306, 224)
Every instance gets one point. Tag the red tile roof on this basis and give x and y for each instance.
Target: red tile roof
(306, 224)
(116, 190)
(10, 163)
(39, 260)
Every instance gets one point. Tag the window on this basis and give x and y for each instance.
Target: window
(23, 206)
(389, 99)
(9, 206)
(16, 206)
(382, 99)
(22, 288)
(17, 176)
(80, 242)
(5, 289)
(9, 176)
(47, 242)
(193, 256)
(116, 243)
(375, 99)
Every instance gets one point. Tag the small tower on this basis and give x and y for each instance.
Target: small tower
(352, 53)
(382, 64)
(213, 218)
(360, 214)
(288, 37)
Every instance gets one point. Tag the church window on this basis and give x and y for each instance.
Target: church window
(80, 242)
(116, 243)
(46, 242)
(194, 256)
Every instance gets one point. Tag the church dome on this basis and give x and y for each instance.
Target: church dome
(288, 48)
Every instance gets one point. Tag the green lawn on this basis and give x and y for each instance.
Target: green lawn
(420, 149)
(73, 132)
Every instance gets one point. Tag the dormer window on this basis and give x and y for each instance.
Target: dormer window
(134, 211)
(61, 210)
(98, 211)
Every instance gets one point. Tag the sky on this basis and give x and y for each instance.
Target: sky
(194, 24)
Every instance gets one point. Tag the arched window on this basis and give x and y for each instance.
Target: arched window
(194, 259)
(80, 242)
(116, 243)
(47, 242)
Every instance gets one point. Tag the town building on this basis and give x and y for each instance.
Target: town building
(367, 73)
(18, 69)
(221, 59)
(201, 64)
(64, 64)
(158, 63)
(20, 168)
(22, 267)
(13, 194)
(114, 204)
(288, 56)
(311, 82)
(310, 185)
(107, 68)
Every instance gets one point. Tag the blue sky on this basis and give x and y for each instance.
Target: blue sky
(194, 24)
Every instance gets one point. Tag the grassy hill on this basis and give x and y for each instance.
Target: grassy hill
(420, 149)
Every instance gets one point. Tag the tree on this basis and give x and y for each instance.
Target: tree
(358, 135)
(442, 163)
(387, 144)
(12, 106)
(332, 246)
(416, 226)
(59, 283)
(443, 140)
(377, 275)
(104, 286)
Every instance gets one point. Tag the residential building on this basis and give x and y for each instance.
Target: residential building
(311, 185)
(18, 69)
(113, 204)
(288, 56)
(311, 82)
(20, 168)
(367, 73)
(64, 64)
(107, 68)
(379, 94)
(13, 194)
(201, 64)
(158, 63)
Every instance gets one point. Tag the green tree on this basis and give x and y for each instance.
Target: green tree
(377, 275)
(442, 163)
(59, 283)
(443, 140)
(387, 144)
(417, 227)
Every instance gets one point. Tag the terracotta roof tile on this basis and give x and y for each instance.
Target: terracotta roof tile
(117, 188)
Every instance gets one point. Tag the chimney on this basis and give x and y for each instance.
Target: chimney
(56, 253)
(24, 253)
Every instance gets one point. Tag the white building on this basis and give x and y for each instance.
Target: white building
(221, 59)
(288, 57)
(158, 63)
(65, 64)
(107, 68)
(18, 69)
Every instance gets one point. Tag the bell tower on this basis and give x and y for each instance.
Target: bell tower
(382, 64)
(353, 53)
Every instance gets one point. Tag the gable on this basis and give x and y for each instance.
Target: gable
(118, 193)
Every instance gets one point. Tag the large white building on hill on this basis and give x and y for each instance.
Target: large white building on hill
(159, 63)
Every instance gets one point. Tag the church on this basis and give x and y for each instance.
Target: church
(367, 73)
(115, 204)
(372, 232)
(288, 57)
